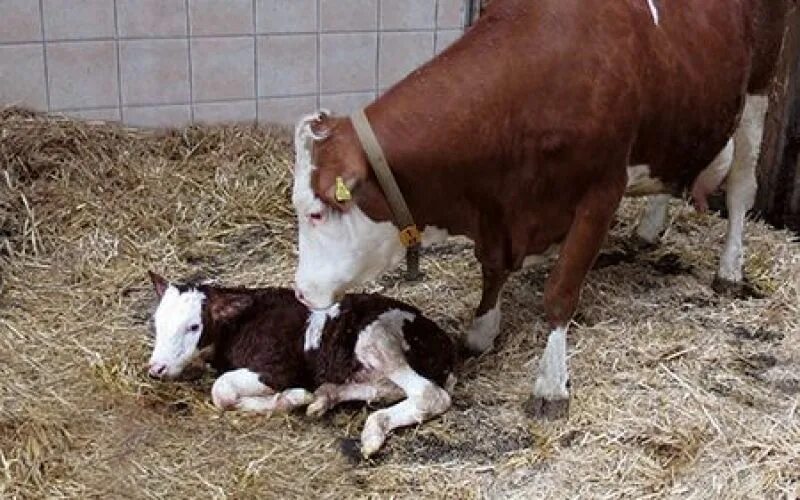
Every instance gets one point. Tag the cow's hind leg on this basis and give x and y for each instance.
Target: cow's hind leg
(243, 389)
(741, 189)
(329, 395)
(592, 219)
(380, 348)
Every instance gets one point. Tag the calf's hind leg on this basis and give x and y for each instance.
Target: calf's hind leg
(380, 348)
(580, 248)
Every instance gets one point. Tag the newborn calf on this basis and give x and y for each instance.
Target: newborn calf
(272, 351)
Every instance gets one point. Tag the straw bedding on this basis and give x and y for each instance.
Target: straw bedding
(677, 390)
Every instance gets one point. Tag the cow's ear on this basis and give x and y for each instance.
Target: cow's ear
(159, 283)
(337, 189)
(227, 306)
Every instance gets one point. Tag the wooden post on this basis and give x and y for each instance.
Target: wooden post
(778, 199)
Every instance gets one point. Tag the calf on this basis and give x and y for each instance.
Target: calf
(272, 352)
(525, 134)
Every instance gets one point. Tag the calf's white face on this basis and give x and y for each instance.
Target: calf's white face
(337, 250)
(178, 322)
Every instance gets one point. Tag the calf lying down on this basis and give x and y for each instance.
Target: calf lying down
(272, 352)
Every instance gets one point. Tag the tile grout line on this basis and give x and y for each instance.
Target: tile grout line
(319, 54)
(189, 57)
(228, 100)
(378, 48)
(228, 35)
(255, 55)
(435, 26)
(119, 63)
(44, 57)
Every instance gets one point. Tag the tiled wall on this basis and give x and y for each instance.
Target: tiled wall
(173, 62)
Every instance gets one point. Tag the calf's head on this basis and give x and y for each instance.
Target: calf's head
(188, 319)
(345, 234)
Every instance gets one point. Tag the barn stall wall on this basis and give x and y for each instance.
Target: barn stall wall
(173, 62)
(778, 198)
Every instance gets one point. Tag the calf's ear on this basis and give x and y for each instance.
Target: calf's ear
(159, 283)
(226, 306)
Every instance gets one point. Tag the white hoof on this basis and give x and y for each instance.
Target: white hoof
(374, 434)
(484, 329)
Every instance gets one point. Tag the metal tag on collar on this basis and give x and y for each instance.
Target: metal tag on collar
(342, 191)
(410, 236)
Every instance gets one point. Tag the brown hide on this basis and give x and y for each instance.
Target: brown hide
(519, 135)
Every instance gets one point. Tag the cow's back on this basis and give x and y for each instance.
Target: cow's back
(533, 75)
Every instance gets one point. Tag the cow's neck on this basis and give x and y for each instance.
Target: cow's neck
(436, 149)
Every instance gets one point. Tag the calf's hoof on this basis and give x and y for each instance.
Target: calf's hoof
(547, 409)
(317, 408)
(374, 434)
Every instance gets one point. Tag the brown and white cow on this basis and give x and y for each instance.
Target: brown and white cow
(271, 351)
(525, 134)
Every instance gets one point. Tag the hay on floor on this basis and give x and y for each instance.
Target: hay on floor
(676, 390)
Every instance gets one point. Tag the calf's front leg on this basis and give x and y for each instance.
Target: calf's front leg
(592, 219)
(243, 389)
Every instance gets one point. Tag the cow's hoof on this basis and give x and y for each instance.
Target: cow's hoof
(736, 289)
(641, 244)
(546, 409)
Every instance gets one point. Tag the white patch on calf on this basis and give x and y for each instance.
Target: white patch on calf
(316, 325)
(380, 348)
(653, 11)
(178, 322)
(640, 183)
(235, 384)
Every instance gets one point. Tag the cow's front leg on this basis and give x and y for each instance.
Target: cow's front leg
(486, 325)
(592, 218)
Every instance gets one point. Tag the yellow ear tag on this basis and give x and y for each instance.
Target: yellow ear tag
(342, 192)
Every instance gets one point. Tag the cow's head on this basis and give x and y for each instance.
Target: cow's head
(187, 320)
(345, 234)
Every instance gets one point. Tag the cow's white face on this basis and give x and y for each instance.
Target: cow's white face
(337, 250)
(179, 324)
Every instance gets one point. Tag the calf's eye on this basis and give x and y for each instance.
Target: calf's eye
(194, 328)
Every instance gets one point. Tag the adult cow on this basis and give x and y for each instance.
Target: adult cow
(524, 135)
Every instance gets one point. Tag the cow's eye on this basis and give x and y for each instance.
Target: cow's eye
(315, 217)
(193, 328)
